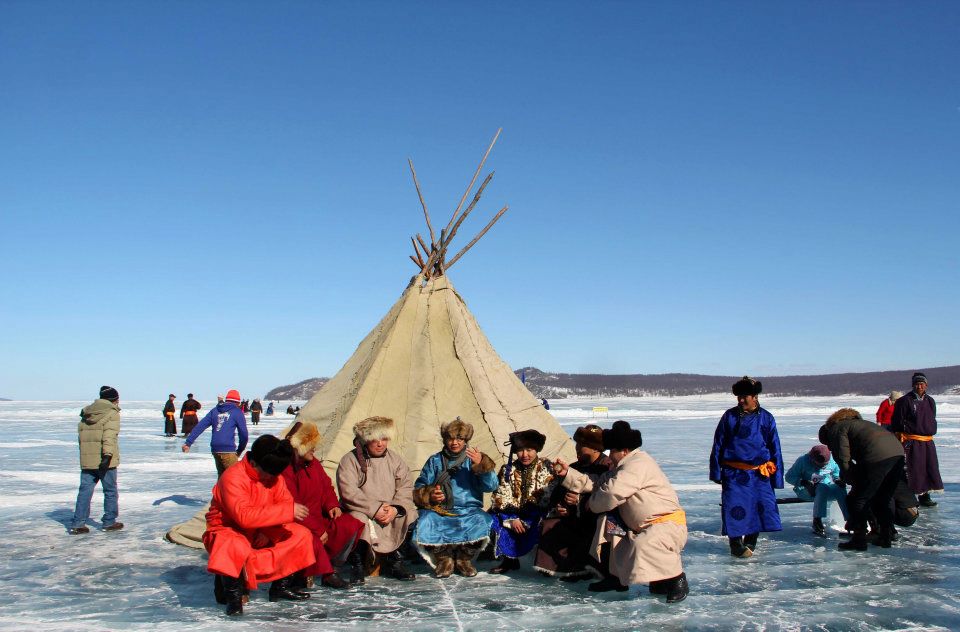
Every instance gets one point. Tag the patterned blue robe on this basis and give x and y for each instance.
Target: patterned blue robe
(749, 502)
(471, 523)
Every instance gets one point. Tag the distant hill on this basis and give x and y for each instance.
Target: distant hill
(945, 379)
(298, 391)
(4, 399)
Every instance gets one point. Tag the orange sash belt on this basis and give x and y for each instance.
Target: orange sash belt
(169, 415)
(190, 412)
(904, 437)
(679, 517)
(766, 469)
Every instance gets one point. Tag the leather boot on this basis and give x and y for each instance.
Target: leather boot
(926, 501)
(233, 594)
(858, 542)
(818, 527)
(738, 548)
(508, 564)
(332, 580)
(393, 565)
(218, 592)
(281, 589)
(750, 541)
(356, 563)
(884, 537)
(464, 560)
(607, 584)
(659, 587)
(444, 557)
(677, 588)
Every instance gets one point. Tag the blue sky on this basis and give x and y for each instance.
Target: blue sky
(202, 195)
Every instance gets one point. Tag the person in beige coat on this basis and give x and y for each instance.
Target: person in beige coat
(98, 434)
(376, 488)
(642, 530)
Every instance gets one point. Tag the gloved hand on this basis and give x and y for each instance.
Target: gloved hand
(104, 464)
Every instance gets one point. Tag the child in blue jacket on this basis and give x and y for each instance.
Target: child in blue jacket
(816, 476)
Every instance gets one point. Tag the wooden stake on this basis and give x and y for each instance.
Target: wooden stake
(426, 251)
(477, 238)
(417, 251)
(475, 174)
(419, 264)
(476, 199)
(426, 214)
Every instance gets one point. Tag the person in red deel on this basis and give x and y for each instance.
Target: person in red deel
(334, 532)
(251, 535)
(885, 412)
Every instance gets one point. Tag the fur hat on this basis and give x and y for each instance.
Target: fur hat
(819, 454)
(843, 414)
(591, 436)
(918, 378)
(374, 429)
(622, 437)
(895, 395)
(271, 454)
(747, 386)
(458, 429)
(523, 439)
(303, 436)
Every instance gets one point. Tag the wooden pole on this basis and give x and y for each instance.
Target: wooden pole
(477, 238)
(476, 199)
(419, 264)
(426, 214)
(417, 251)
(473, 181)
(423, 244)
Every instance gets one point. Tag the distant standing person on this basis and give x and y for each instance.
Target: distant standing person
(746, 460)
(170, 417)
(255, 409)
(915, 424)
(188, 414)
(226, 420)
(885, 412)
(98, 434)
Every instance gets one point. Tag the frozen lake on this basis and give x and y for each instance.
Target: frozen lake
(134, 580)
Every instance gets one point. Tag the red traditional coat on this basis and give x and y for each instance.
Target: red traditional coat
(311, 486)
(885, 413)
(250, 528)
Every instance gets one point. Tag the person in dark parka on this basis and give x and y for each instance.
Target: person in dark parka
(871, 461)
(256, 408)
(170, 417)
(188, 414)
(914, 422)
(746, 460)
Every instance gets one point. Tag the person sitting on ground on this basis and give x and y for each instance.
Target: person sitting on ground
(170, 416)
(334, 532)
(565, 534)
(251, 535)
(521, 500)
(453, 527)
(816, 476)
(643, 530)
(376, 488)
(226, 420)
(871, 460)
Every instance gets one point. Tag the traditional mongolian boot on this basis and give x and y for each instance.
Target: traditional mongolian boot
(818, 527)
(508, 564)
(884, 537)
(464, 555)
(926, 501)
(356, 563)
(233, 594)
(858, 542)
(659, 587)
(677, 588)
(281, 589)
(443, 555)
(332, 580)
(750, 541)
(738, 548)
(393, 565)
(218, 592)
(608, 583)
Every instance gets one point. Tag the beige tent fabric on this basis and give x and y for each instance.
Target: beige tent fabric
(425, 363)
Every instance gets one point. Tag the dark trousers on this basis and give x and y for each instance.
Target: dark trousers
(872, 490)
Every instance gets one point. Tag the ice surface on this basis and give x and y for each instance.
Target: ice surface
(134, 580)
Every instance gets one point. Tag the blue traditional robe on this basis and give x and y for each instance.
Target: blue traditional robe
(749, 502)
(470, 523)
(528, 503)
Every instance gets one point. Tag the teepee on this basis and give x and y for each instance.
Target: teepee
(427, 362)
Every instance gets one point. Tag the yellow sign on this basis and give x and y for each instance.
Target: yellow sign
(600, 409)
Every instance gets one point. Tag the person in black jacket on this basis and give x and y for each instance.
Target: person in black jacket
(871, 461)
(255, 409)
(188, 414)
(170, 417)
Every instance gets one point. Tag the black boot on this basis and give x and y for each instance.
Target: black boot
(233, 594)
(393, 565)
(750, 541)
(884, 537)
(356, 563)
(818, 527)
(606, 584)
(738, 548)
(508, 564)
(677, 588)
(659, 587)
(218, 592)
(926, 501)
(281, 589)
(858, 542)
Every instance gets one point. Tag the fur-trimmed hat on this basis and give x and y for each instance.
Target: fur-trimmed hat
(271, 454)
(843, 414)
(374, 429)
(747, 386)
(523, 439)
(590, 435)
(303, 436)
(622, 437)
(895, 395)
(457, 429)
(819, 454)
